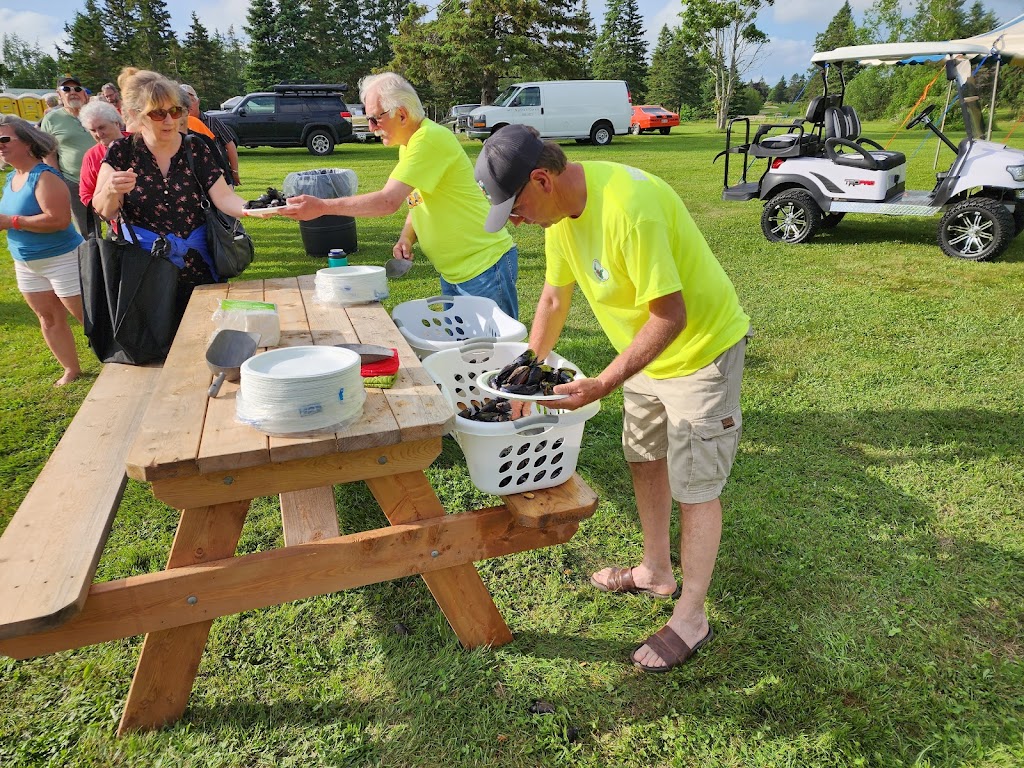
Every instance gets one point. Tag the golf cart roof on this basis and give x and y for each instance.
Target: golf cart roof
(1006, 40)
(901, 53)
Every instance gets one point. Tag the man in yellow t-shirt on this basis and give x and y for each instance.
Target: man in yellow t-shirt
(434, 178)
(627, 241)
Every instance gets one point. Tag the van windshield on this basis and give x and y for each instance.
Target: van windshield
(506, 96)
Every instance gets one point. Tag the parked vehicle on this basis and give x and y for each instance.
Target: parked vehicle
(292, 115)
(651, 117)
(822, 168)
(458, 117)
(360, 124)
(230, 103)
(585, 110)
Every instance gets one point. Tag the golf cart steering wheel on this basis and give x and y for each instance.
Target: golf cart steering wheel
(921, 118)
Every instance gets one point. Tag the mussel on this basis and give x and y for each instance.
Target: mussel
(526, 376)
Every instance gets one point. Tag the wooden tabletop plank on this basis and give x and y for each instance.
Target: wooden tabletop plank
(168, 440)
(419, 408)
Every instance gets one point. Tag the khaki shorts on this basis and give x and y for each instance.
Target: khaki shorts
(694, 421)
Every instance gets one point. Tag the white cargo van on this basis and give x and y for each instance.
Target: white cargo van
(593, 110)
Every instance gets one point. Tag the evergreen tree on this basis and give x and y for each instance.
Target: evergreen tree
(87, 52)
(380, 21)
(884, 23)
(154, 45)
(840, 32)
(778, 94)
(236, 59)
(620, 51)
(290, 24)
(569, 28)
(203, 64)
(939, 19)
(979, 20)
(261, 69)
(674, 79)
(121, 20)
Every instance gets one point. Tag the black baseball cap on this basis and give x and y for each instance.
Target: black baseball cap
(68, 79)
(504, 167)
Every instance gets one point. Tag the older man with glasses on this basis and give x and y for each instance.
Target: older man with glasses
(434, 178)
(111, 95)
(73, 141)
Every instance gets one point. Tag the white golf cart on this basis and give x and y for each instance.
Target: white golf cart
(821, 168)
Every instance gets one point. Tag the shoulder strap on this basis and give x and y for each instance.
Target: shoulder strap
(187, 140)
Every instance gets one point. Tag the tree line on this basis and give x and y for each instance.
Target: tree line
(466, 51)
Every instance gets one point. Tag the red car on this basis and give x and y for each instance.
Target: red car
(648, 117)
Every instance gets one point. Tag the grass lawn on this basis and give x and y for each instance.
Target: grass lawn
(868, 601)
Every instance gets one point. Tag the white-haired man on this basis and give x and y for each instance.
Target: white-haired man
(434, 178)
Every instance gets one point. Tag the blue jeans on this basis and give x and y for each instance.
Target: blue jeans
(498, 283)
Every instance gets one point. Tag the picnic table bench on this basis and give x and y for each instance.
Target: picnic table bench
(158, 426)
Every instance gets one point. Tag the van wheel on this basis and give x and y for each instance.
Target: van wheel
(791, 217)
(320, 142)
(601, 134)
(978, 229)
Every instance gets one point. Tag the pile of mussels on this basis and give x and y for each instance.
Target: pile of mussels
(495, 410)
(526, 376)
(269, 199)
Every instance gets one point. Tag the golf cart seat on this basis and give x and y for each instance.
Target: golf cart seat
(842, 131)
(796, 143)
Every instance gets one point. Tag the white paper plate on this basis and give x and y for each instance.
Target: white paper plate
(484, 382)
(263, 213)
(300, 363)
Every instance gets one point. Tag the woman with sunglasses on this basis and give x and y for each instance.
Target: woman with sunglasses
(73, 141)
(35, 210)
(146, 178)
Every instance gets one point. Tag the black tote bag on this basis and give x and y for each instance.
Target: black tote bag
(129, 298)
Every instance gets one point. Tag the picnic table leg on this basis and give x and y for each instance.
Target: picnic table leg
(170, 658)
(459, 591)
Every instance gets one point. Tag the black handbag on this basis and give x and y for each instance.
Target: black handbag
(230, 246)
(129, 298)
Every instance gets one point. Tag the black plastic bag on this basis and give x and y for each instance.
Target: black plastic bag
(129, 299)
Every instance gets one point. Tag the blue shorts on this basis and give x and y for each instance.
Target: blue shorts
(497, 282)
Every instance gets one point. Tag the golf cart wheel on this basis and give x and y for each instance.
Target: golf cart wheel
(320, 143)
(831, 220)
(791, 217)
(978, 229)
(1018, 219)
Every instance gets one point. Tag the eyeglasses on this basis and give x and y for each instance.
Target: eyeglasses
(373, 120)
(159, 115)
(5, 139)
(70, 88)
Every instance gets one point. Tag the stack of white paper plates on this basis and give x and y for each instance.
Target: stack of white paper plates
(351, 285)
(300, 389)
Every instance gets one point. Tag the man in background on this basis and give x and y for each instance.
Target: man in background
(112, 96)
(216, 130)
(73, 141)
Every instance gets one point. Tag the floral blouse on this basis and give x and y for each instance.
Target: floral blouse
(170, 205)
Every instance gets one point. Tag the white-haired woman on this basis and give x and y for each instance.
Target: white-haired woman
(104, 122)
(434, 178)
(35, 210)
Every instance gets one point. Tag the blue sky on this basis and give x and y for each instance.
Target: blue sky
(791, 24)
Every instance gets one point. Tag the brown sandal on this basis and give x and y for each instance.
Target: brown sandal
(621, 580)
(671, 647)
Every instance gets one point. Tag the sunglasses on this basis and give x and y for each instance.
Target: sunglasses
(373, 120)
(159, 115)
(70, 88)
(5, 139)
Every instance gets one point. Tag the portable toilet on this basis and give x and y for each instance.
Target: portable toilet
(31, 107)
(9, 104)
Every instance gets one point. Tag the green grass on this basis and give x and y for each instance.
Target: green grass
(868, 596)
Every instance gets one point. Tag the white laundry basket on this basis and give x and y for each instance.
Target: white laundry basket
(445, 322)
(539, 451)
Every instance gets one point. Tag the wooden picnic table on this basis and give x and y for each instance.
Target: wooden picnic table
(199, 459)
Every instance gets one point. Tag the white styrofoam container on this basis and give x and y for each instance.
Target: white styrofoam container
(539, 451)
(445, 322)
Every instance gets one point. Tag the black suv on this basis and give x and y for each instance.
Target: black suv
(292, 115)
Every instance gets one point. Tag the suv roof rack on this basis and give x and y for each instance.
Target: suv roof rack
(310, 88)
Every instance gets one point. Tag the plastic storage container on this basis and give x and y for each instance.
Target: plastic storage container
(323, 233)
(539, 451)
(445, 322)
